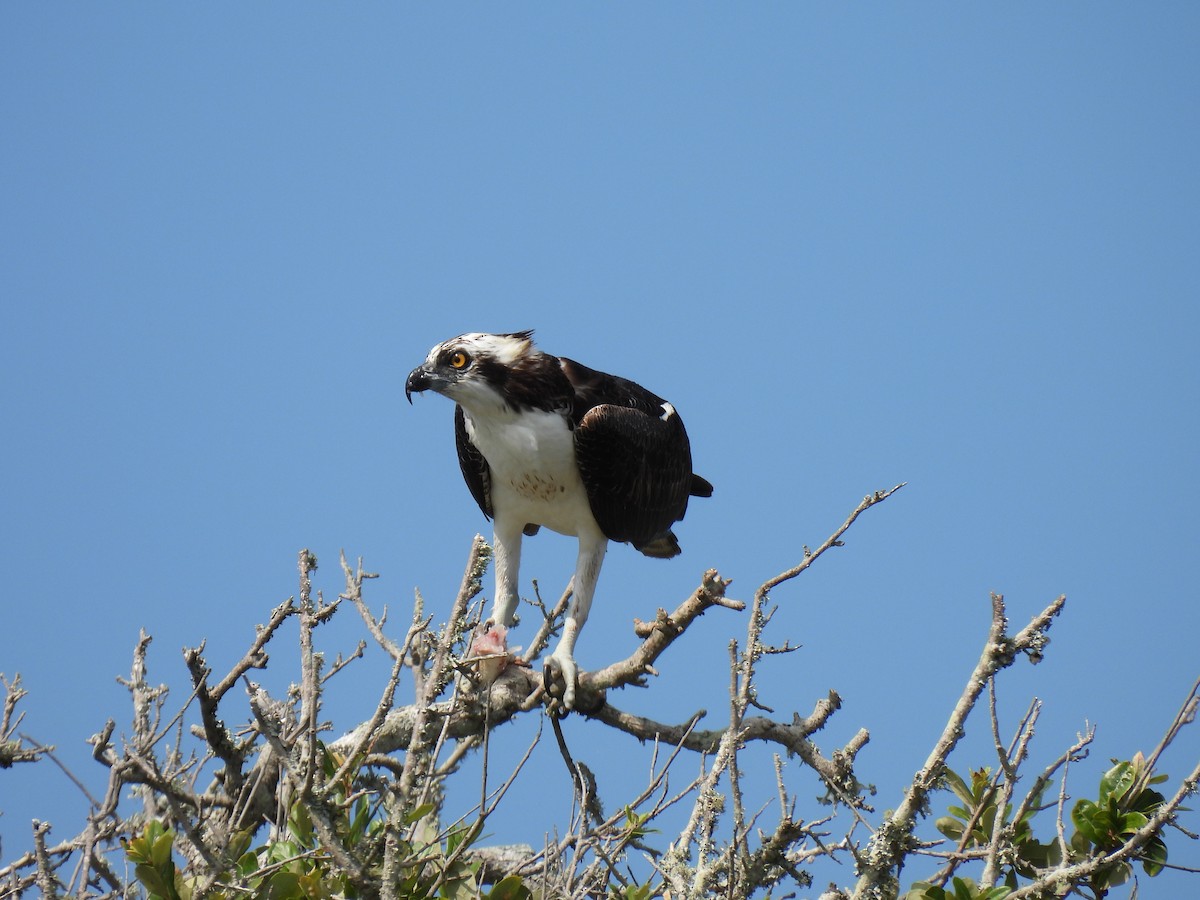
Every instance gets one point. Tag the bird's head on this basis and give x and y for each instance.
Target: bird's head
(470, 369)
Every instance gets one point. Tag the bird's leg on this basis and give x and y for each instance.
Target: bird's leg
(507, 549)
(491, 639)
(587, 570)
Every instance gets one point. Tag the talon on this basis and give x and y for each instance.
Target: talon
(561, 667)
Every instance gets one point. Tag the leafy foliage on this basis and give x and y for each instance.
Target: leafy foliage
(1124, 805)
(974, 824)
(960, 889)
(295, 865)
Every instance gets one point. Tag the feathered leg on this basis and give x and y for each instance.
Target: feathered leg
(492, 639)
(507, 551)
(561, 662)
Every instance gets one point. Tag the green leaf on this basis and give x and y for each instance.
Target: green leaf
(312, 884)
(1034, 855)
(461, 888)
(330, 761)
(1112, 876)
(238, 845)
(361, 820)
(1154, 856)
(160, 853)
(248, 864)
(153, 831)
(137, 851)
(156, 885)
(967, 889)
(416, 815)
(279, 851)
(1131, 822)
(301, 826)
(1080, 845)
(635, 823)
(987, 822)
(1148, 801)
(1117, 780)
(1086, 816)
(955, 782)
(467, 835)
(950, 827)
(511, 887)
(284, 885)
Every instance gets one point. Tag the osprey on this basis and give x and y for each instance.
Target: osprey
(543, 440)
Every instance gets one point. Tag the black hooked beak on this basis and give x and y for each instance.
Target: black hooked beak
(418, 380)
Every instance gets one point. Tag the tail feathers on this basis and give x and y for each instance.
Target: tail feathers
(665, 546)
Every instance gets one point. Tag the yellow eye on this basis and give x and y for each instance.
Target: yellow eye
(459, 360)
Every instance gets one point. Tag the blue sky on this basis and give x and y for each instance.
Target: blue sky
(953, 245)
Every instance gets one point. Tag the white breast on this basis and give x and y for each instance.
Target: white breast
(534, 475)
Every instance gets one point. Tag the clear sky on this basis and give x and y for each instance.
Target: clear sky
(953, 245)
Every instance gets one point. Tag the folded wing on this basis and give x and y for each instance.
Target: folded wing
(634, 458)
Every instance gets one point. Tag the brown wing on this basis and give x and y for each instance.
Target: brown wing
(474, 467)
(637, 470)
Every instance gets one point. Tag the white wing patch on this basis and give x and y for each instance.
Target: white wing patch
(668, 411)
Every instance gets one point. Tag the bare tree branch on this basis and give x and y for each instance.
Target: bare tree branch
(366, 808)
(893, 841)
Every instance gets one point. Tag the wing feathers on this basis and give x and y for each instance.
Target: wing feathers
(474, 467)
(637, 470)
(635, 459)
